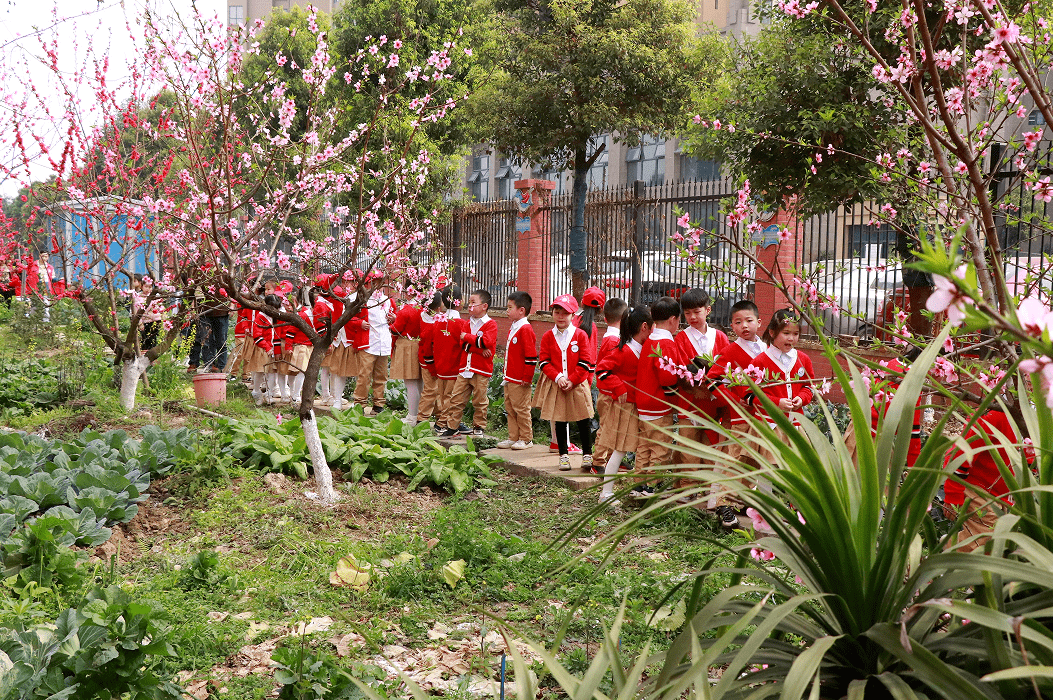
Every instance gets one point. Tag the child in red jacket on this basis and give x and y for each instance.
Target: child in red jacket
(562, 393)
(614, 311)
(656, 394)
(446, 352)
(788, 374)
(426, 356)
(697, 344)
(478, 346)
(745, 323)
(616, 378)
(520, 363)
(405, 362)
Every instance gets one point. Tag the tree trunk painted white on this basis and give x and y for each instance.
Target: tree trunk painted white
(131, 371)
(322, 476)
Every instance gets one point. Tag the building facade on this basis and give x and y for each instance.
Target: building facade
(247, 11)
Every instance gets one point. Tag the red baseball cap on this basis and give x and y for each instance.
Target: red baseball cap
(567, 302)
(324, 281)
(594, 297)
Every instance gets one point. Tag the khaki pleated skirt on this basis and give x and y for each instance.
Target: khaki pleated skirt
(559, 405)
(343, 361)
(404, 363)
(620, 428)
(253, 358)
(285, 363)
(301, 355)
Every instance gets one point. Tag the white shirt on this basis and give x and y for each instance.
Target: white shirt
(474, 324)
(635, 347)
(784, 361)
(660, 334)
(753, 347)
(563, 338)
(702, 342)
(379, 333)
(612, 332)
(512, 333)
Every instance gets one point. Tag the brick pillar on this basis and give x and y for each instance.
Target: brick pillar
(777, 256)
(533, 241)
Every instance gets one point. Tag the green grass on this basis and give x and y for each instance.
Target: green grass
(276, 550)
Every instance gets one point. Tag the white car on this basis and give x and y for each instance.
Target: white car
(860, 290)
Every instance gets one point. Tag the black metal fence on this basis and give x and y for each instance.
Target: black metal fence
(848, 254)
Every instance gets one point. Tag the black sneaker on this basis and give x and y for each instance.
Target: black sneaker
(645, 491)
(377, 410)
(448, 433)
(727, 515)
(463, 429)
(478, 432)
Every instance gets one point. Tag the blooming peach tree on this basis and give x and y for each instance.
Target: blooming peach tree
(179, 159)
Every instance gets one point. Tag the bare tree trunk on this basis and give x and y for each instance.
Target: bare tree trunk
(322, 474)
(131, 371)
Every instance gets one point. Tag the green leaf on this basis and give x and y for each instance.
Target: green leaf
(453, 571)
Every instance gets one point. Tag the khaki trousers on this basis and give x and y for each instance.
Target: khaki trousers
(517, 406)
(428, 394)
(473, 387)
(443, 397)
(654, 449)
(372, 370)
(600, 455)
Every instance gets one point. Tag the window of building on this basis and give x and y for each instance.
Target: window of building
(1035, 117)
(697, 170)
(235, 15)
(871, 242)
(479, 178)
(646, 162)
(598, 172)
(507, 174)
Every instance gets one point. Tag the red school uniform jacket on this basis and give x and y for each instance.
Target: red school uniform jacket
(580, 363)
(475, 345)
(692, 348)
(447, 347)
(878, 409)
(358, 329)
(267, 335)
(608, 344)
(243, 326)
(616, 373)
(521, 355)
(775, 383)
(656, 387)
(293, 334)
(407, 322)
(736, 355)
(982, 471)
(427, 336)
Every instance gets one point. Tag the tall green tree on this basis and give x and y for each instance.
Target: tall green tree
(574, 69)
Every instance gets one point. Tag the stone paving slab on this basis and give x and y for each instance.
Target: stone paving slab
(537, 461)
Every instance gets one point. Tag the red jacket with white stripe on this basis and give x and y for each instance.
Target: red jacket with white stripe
(447, 347)
(607, 345)
(656, 387)
(735, 356)
(700, 401)
(781, 384)
(521, 355)
(616, 373)
(580, 362)
(475, 345)
(267, 335)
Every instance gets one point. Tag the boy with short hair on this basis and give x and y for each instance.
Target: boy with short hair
(520, 362)
(613, 312)
(656, 390)
(478, 344)
(745, 324)
(698, 344)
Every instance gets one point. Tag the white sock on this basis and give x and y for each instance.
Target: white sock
(297, 388)
(272, 384)
(324, 378)
(258, 385)
(609, 472)
(336, 386)
(413, 389)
